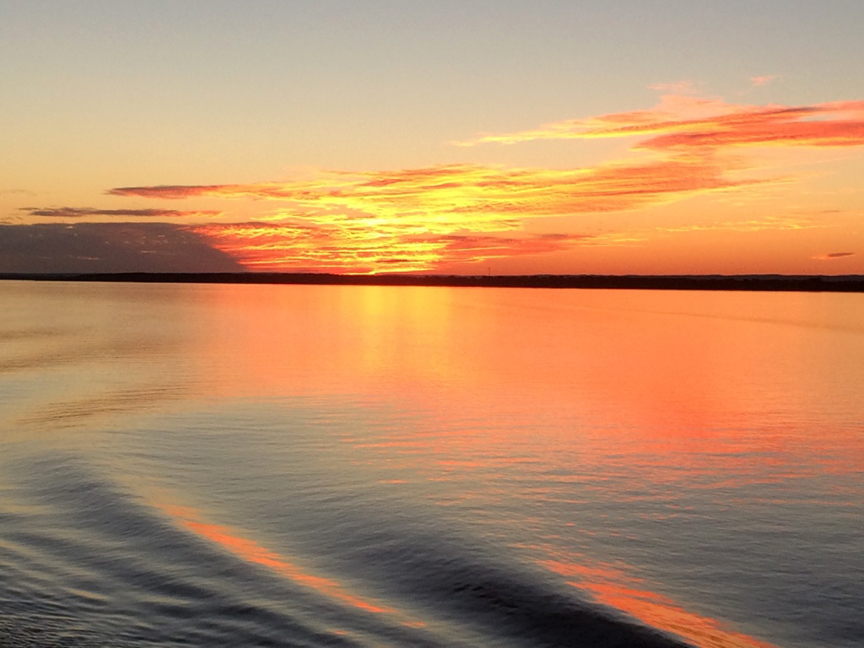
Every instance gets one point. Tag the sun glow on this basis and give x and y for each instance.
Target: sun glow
(429, 218)
(682, 153)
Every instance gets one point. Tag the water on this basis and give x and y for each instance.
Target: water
(188, 465)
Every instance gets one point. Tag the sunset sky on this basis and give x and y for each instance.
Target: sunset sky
(557, 136)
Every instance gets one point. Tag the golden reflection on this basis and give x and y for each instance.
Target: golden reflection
(524, 396)
(681, 380)
(277, 341)
(399, 327)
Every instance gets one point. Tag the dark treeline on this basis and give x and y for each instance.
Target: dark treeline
(809, 283)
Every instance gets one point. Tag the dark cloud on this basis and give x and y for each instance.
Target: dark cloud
(84, 212)
(833, 255)
(172, 191)
(108, 247)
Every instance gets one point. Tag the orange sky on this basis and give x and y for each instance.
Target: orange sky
(632, 174)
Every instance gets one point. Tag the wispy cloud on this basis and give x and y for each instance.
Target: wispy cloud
(767, 223)
(678, 87)
(687, 122)
(832, 256)
(89, 212)
(759, 81)
(824, 125)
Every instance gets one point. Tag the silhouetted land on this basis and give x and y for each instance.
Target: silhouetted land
(807, 283)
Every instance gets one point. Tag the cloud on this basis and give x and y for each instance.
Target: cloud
(681, 122)
(109, 247)
(826, 125)
(87, 212)
(830, 256)
(273, 246)
(475, 197)
(425, 218)
(429, 217)
(759, 81)
(12, 192)
(767, 223)
(168, 191)
(679, 87)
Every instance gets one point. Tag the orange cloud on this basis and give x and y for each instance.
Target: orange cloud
(754, 225)
(833, 255)
(273, 247)
(426, 218)
(680, 122)
(478, 198)
(828, 125)
(417, 219)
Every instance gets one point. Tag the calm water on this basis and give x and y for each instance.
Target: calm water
(366, 466)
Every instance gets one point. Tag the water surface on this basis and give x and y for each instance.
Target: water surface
(369, 466)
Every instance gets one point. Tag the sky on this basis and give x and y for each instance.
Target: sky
(469, 137)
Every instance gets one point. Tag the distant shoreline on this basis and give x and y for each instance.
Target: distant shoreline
(785, 283)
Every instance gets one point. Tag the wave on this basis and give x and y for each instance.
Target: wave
(88, 563)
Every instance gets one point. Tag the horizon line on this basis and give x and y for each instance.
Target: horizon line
(736, 282)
